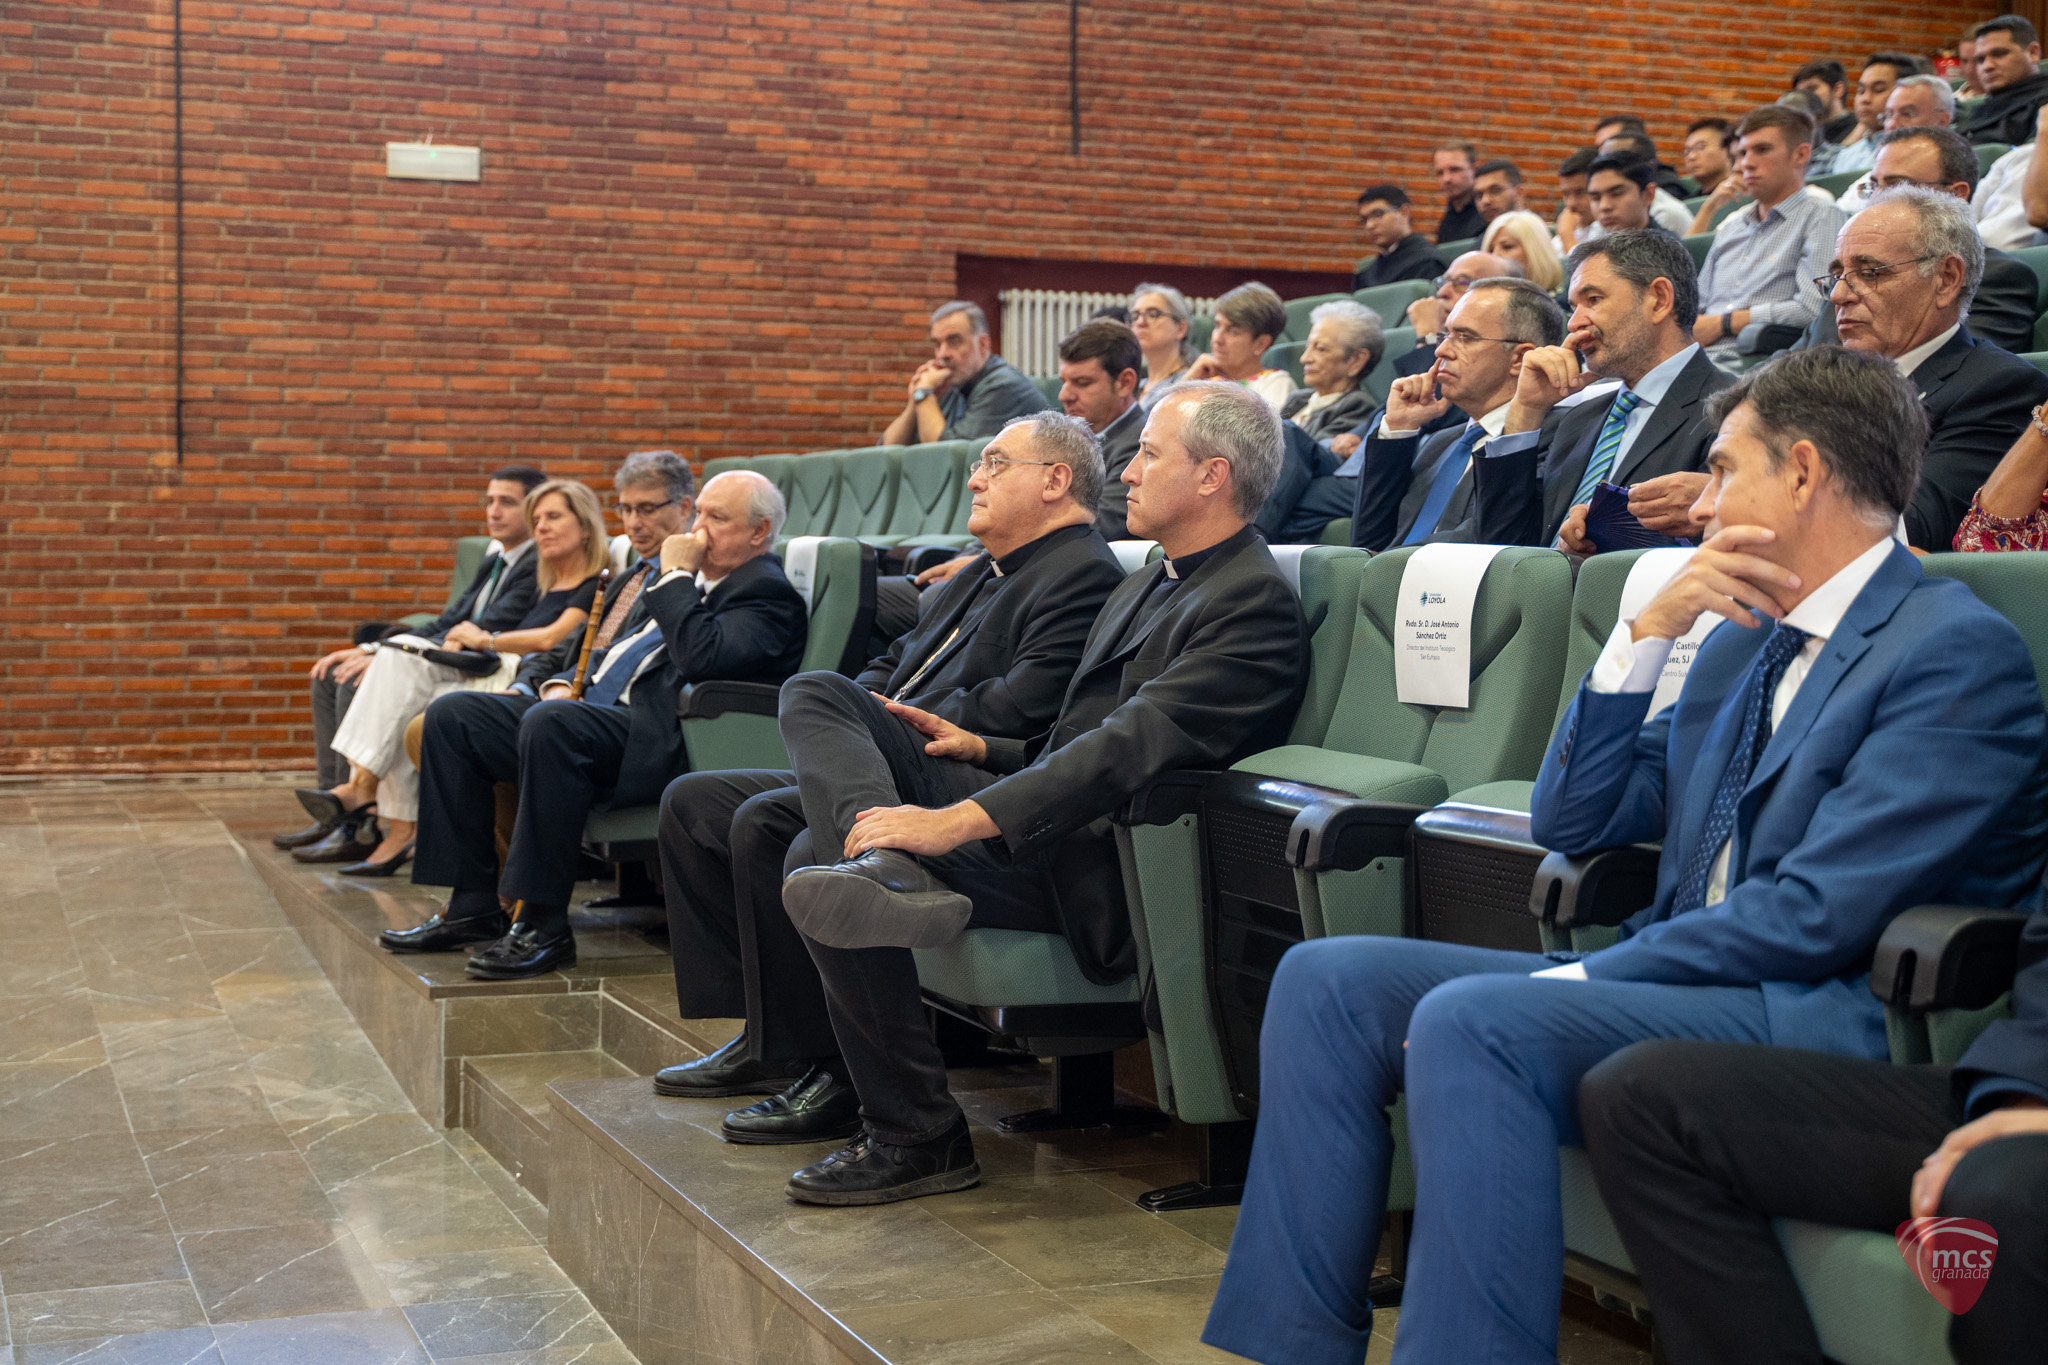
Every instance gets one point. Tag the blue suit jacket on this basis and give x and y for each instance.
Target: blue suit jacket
(1909, 769)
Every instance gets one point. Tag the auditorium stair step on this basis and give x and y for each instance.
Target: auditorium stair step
(505, 1105)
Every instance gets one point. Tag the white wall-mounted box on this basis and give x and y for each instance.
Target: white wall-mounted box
(432, 161)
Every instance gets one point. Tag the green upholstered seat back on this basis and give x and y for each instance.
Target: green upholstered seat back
(810, 485)
(469, 557)
(725, 464)
(2015, 585)
(1298, 311)
(1379, 379)
(970, 451)
(1286, 355)
(1596, 602)
(929, 483)
(1518, 647)
(1330, 578)
(1391, 301)
(835, 601)
(867, 492)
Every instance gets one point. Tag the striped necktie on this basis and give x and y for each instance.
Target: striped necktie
(622, 605)
(1609, 444)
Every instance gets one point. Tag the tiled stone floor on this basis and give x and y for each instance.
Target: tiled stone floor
(202, 1160)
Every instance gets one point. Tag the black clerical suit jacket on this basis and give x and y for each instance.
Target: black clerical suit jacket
(1977, 398)
(1414, 257)
(1523, 498)
(1213, 675)
(517, 592)
(1119, 444)
(2002, 311)
(1394, 480)
(752, 627)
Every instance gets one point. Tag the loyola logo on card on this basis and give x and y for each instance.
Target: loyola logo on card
(1952, 1257)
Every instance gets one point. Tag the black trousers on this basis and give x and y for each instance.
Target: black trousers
(1697, 1146)
(564, 755)
(851, 755)
(330, 704)
(725, 842)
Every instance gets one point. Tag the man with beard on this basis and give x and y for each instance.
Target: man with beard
(1634, 298)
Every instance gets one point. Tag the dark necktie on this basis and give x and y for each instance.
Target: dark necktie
(489, 589)
(1764, 673)
(1448, 471)
(622, 663)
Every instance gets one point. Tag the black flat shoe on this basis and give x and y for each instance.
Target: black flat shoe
(366, 868)
(819, 1108)
(523, 953)
(869, 1172)
(444, 935)
(727, 1072)
(349, 841)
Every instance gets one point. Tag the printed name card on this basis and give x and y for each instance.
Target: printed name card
(1645, 579)
(1433, 626)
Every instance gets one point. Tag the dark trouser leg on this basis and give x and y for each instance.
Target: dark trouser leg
(2004, 1182)
(786, 1014)
(330, 704)
(896, 598)
(697, 882)
(469, 744)
(1697, 1146)
(569, 756)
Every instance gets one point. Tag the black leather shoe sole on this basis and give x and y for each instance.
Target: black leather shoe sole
(944, 1182)
(390, 865)
(791, 1137)
(320, 803)
(552, 961)
(718, 1090)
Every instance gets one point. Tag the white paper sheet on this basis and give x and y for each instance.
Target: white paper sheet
(1433, 627)
(1649, 574)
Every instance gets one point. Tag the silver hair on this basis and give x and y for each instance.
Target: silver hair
(1358, 328)
(977, 320)
(1946, 227)
(1227, 421)
(764, 499)
(645, 468)
(1176, 304)
(1059, 439)
(1944, 94)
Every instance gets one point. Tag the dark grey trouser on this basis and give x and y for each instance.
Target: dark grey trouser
(330, 704)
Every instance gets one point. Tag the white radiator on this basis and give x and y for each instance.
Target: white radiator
(1035, 320)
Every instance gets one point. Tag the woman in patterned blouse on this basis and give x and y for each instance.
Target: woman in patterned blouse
(2010, 512)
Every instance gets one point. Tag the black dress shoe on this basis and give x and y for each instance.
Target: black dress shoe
(320, 803)
(355, 836)
(444, 935)
(726, 1072)
(522, 953)
(323, 824)
(311, 834)
(869, 1172)
(882, 899)
(366, 868)
(819, 1108)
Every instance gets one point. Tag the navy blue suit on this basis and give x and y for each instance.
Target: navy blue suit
(1908, 769)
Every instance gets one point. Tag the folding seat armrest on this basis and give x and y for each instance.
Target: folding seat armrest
(1936, 957)
(715, 697)
(1344, 833)
(1603, 887)
(1167, 797)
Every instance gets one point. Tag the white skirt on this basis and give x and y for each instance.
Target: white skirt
(397, 687)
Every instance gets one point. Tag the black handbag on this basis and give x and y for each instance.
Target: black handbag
(471, 663)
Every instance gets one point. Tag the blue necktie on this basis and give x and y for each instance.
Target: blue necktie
(1448, 471)
(1778, 651)
(624, 660)
(1609, 444)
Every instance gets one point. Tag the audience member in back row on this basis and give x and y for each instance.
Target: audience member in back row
(1249, 319)
(1160, 317)
(1828, 83)
(721, 609)
(1620, 190)
(1697, 1146)
(1453, 164)
(1345, 341)
(497, 598)
(1633, 299)
(1099, 363)
(2011, 196)
(1427, 316)
(1882, 73)
(1766, 256)
(1574, 213)
(965, 390)
(1194, 662)
(1915, 102)
(1415, 479)
(993, 653)
(2002, 310)
(2009, 64)
(1630, 126)
(1707, 144)
(1790, 840)
(1667, 202)
(1497, 188)
(1386, 224)
(1521, 237)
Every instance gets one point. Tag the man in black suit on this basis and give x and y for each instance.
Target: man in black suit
(993, 653)
(1697, 1146)
(1386, 221)
(1100, 364)
(1634, 296)
(721, 609)
(1195, 662)
(2003, 309)
(500, 594)
(1904, 272)
(1413, 486)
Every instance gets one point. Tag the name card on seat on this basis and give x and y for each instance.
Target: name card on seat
(1646, 577)
(800, 566)
(1433, 626)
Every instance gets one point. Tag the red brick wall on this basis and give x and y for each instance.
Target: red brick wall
(714, 226)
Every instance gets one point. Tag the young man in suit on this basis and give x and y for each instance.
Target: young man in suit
(1634, 294)
(1415, 484)
(992, 652)
(720, 609)
(1100, 364)
(1697, 1146)
(1858, 741)
(920, 831)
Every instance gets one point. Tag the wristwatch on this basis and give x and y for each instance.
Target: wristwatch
(919, 394)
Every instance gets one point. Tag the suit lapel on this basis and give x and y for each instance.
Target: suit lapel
(1938, 369)
(956, 620)
(1103, 645)
(1667, 419)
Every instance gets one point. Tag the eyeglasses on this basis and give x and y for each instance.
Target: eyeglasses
(1892, 182)
(641, 509)
(988, 468)
(1149, 314)
(1864, 277)
(1462, 339)
(1458, 282)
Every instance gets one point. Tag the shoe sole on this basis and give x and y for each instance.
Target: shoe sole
(771, 1086)
(390, 947)
(946, 1182)
(744, 1138)
(519, 976)
(846, 910)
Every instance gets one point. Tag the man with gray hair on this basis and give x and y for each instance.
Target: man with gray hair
(1345, 340)
(920, 830)
(965, 390)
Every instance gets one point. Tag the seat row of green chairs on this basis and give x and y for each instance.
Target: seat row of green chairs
(882, 495)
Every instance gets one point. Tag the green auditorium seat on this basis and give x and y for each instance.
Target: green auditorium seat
(1988, 154)
(1836, 183)
(1298, 311)
(2039, 360)
(1391, 301)
(956, 535)
(931, 480)
(1286, 356)
(867, 492)
(725, 463)
(810, 485)
(1699, 244)
(469, 557)
(1199, 328)
(1400, 341)
(1741, 201)
(1452, 250)
(1049, 385)
(2036, 258)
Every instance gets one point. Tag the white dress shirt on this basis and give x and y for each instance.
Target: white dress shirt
(1650, 391)
(2000, 207)
(490, 589)
(1911, 360)
(1492, 422)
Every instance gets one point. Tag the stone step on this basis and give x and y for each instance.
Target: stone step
(637, 1025)
(505, 1105)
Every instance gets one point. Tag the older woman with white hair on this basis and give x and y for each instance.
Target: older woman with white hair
(1521, 237)
(1345, 340)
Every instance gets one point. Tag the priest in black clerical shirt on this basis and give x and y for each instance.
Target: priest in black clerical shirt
(1386, 221)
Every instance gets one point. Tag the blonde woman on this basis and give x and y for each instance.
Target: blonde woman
(569, 537)
(1521, 237)
(1160, 315)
